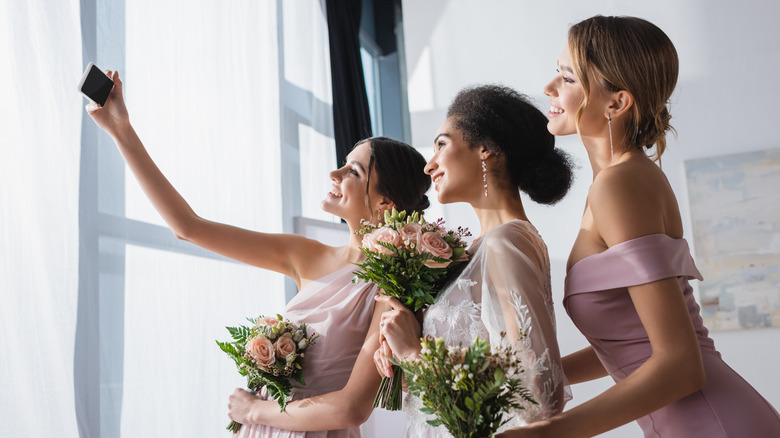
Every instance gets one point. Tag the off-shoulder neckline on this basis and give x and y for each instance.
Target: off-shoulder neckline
(613, 248)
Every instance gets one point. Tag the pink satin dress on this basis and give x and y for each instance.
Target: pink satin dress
(598, 302)
(340, 312)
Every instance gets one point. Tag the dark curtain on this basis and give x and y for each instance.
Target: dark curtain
(351, 119)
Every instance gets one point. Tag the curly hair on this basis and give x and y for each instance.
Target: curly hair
(505, 123)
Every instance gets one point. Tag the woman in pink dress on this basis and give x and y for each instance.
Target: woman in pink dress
(493, 145)
(380, 173)
(627, 285)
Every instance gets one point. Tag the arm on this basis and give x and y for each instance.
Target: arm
(674, 370)
(348, 407)
(516, 299)
(277, 252)
(582, 366)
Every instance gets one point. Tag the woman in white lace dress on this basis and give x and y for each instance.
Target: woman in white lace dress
(493, 145)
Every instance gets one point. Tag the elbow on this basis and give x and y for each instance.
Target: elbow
(181, 234)
(186, 229)
(698, 379)
(691, 378)
(356, 414)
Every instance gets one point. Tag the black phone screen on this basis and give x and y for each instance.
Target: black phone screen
(97, 85)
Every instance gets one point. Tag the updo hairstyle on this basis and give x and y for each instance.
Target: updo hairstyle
(507, 124)
(397, 170)
(632, 54)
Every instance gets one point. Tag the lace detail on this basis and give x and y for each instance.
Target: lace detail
(471, 306)
(537, 376)
(458, 323)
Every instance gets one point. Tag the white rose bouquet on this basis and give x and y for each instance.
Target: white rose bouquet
(468, 389)
(269, 353)
(410, 260)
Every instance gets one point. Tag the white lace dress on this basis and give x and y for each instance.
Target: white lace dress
(504, 288)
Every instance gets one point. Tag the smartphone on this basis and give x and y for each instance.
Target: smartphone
(95, 84)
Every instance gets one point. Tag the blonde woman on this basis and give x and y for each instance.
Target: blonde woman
(627, 284)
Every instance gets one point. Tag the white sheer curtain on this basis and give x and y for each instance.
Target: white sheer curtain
(307, 83)
(40, 120)
(202, 88)
(108, 322)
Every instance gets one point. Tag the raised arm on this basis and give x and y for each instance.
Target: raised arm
(346, 408)
(623, 210)
(277, 252)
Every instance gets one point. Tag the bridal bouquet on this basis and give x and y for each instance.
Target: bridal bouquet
(409, 259)
(467, 389)
(268, 353)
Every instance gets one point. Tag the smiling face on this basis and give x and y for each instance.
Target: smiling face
(347, 198)
(455, 167)
(566, 97)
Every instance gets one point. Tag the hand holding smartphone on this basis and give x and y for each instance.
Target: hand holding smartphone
(95, 84)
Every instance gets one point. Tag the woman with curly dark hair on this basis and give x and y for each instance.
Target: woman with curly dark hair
(493, 145)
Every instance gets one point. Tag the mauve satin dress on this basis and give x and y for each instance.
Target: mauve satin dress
(340, 312)
(597, 300)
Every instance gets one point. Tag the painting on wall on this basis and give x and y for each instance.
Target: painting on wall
(735, 210)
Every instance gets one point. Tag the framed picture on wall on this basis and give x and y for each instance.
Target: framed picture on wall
(735, 210)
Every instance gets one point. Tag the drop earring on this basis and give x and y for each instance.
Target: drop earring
(611, 151)
(484, 176)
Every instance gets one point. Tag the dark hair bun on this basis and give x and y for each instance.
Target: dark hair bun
(398, 172)
(422, 205)
(547, 180)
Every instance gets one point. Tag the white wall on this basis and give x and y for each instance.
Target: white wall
(729, 57)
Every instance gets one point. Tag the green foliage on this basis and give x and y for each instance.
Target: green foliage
(467, 389)
(404, 274)
(276, 378)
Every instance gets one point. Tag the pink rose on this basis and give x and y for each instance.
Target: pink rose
(384, 234)
(285, 346)
(267, 321)
(261, 350)
(433, 244)
(410, 233)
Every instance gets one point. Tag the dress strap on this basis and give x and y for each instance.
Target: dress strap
(637, 261)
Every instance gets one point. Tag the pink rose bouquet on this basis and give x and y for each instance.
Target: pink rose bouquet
(411, 260)
(269, 353)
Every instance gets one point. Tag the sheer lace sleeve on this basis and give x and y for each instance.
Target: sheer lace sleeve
(517, 300)
(505, 287)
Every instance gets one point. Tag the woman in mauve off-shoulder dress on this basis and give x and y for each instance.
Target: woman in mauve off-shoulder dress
(379, 174)
(627, 285)
(493, 145)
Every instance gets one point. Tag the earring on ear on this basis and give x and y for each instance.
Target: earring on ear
(611, 152)
(484, 175)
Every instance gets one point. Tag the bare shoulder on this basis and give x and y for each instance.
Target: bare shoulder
(313, 259)
(632, 199)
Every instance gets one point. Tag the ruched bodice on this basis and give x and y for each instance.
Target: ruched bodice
(597, 299)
